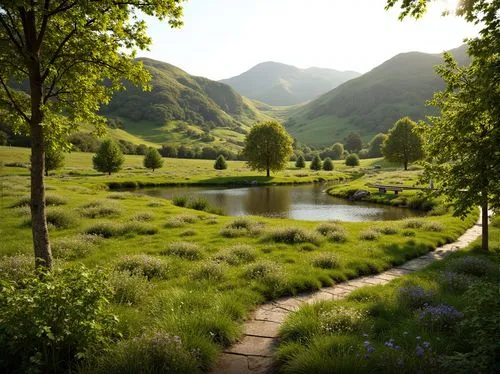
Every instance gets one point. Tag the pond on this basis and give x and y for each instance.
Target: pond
(305, 202)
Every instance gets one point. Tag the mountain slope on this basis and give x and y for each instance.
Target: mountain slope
(373, 102)
(180, 103)
(279, 84)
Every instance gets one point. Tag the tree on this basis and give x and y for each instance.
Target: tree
(72, 55)
(54, 159)
(301, 162)
(109, 157)
(268, 147)
(353, 142)
(152, 159)
(4, 138)
(316, 163)
(403, 144)
(337, 151)
(374, 147)
(168, 150)
(220, 163)
(328, 164)
(352, 159)
(464, 140)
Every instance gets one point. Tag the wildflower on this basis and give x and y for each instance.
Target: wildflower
(420, 351)
(427, 345)
(419, 337)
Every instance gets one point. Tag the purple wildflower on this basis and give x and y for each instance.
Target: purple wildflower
(420, 351)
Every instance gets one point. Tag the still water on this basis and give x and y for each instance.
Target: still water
(304, 202)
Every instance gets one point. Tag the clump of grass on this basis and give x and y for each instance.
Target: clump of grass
(186, 250)
(369, 234)
(232, 233)
(307, 248)
(412, 223)
(412, 296)
(188, 233)
(73, 247)
(142, 217)
(120, 195)
(433, 226)
(105, 229)
(50, 200)
(17, 267)
(99, 209)
(339, 319)
(139, 228)
(237, 255)
(409, 233)
(148, 266)
(337, 236)
(439, 210)
(23, 211)
(155, 204)
(211, 270)
(212, 221)
(180, 201)
(325, 261)
(269, 275)
(242, 227)
(128, 288)
(328, 228)
(386, 230)
(261, 269)
(455, 282)
(471, 265)
(58, 218)
(294, 235)
(198, 204)
(181, 220)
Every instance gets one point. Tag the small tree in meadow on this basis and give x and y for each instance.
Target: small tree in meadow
(301, 162)
(220, 163)
(54, 159)
(109, 158)
(352, 160)
(328, 164)
(153, 159)
(403, 143)
(316, 163)
(337, 151)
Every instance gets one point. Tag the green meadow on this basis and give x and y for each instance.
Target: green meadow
(192, 274)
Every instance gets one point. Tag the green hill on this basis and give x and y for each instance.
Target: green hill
(183, 109)
(278, 84)
(373, 102)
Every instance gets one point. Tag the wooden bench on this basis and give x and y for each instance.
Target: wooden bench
(384, 188)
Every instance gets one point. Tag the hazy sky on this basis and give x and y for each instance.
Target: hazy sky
(223, 38)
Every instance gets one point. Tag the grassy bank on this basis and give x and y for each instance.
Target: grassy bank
(188, 273)
(443, 319)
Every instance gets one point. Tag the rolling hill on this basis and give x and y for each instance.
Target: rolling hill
(372, 102)
(278, 84)
(183, 109)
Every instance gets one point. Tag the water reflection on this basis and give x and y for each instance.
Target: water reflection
(305, 202)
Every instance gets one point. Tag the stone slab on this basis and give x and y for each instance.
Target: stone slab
(231, 364)
(259, 364)
(271, 315)
(253, 346)
(265, 329)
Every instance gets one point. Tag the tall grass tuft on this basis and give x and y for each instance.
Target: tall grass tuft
(17, 267)
(181, 220)
(325, 261)
(129, 288)
(294, 235)
(100, 209)
(148, 266)
(237, 255)
(74, 247)
(186, 250)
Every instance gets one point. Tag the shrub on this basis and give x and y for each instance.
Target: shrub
(328, 164)
(471, 265)
(352, 160)
(74, 247)
(421, 202)
(301, 162)
(211, 271)
(409, 233)
(294, 235)
(139, 228)
(180, 201)
(339, 319)
(315, 163)
(369, 234)
(142, 216)
(36, 340)
(148, 266)
(99, 209)
(155, 204)
(237, 255)
(199, 204)
(442, 316)
(128, 288)
(186, 250)
(14, 268)
(455, 282)
(433, 226)
(220, 163)
(325, 261)
(412, 223)
(414, 296)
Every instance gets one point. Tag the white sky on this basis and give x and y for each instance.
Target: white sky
(223, 38)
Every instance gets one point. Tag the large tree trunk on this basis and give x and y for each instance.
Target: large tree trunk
(484, 211)
(268, 173)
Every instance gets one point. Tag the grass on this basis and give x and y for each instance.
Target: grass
(202, 296)
(438, 320)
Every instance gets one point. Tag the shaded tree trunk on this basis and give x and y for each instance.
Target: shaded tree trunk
(268, 173)
(484, 223)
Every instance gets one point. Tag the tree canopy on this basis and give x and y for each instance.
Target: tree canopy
(301, 162)
(353, 142)
(403, 144)
(375, 145)
(352, 160)
(152, 159)
(109, 158)
(268, 147)
(60, 61)
(220, 163)
(316, 163)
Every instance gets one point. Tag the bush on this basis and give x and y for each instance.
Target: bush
(211, 271)
(294, 235)
(180, 201)
(316, 163)
(261, 269)
(74, 247)
(186, 250)
(337, 237)
(328, 164)
(442, 316)
(148, 266)
(455, 282)
(369, 234)
(471, 265)
(99, 209)
(325, 261)
(220, 163)
(32, 335)
(270, 275)
(352, 160)
(188, 233)
(301, 162)
(128, 288)
(14, 268)
(199, 204)
(414, 296)
(237, 255)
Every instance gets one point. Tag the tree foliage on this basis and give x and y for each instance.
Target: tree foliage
(109, 158)
(328, 164)
(152, 159)
(403, 144)
(316, 163)
(220, 163)
(268, 147)
(54, 159)
(375, 145)
(301, 162)
(353, 142)
(60, 61)
(352, 159)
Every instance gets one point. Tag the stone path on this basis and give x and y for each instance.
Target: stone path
(253, 353)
